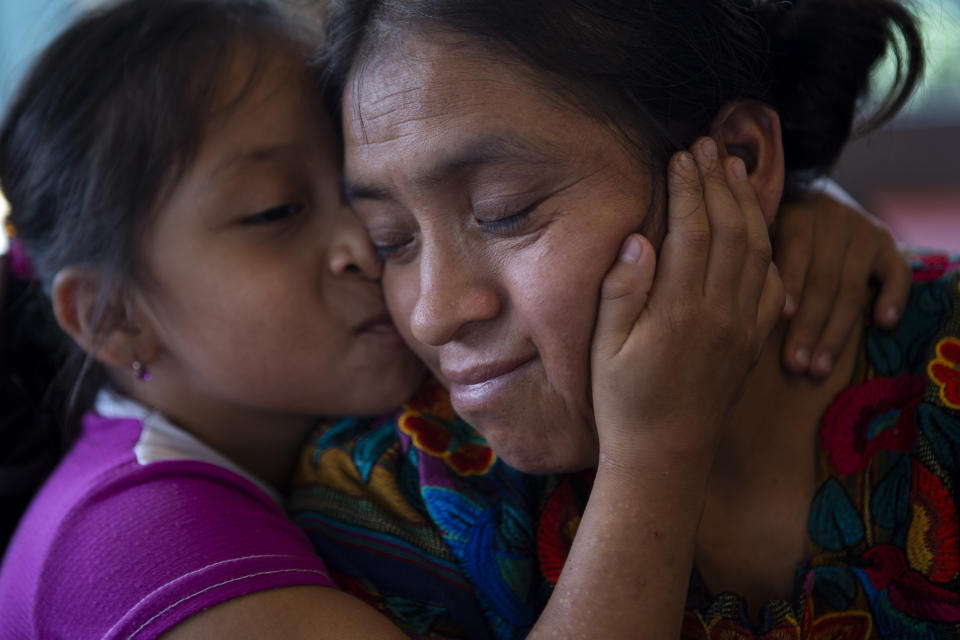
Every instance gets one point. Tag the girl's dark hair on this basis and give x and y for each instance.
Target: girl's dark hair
(109, 117)
(659, 71)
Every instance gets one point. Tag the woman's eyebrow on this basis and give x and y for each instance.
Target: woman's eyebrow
(496, 148)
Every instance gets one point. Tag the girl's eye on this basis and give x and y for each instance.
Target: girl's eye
(276, 214)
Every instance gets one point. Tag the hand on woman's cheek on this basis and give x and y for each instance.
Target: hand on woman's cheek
(668, 366)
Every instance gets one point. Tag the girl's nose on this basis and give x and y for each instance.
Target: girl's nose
(350, 250)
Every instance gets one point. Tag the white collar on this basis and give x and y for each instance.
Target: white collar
(160, 439)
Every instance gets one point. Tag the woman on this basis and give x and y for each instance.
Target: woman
(499, 155)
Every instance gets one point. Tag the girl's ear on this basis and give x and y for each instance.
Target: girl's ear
(750, 130)
(107, 333)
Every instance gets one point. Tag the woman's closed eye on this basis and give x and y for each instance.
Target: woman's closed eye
(507, 221)
(274, 215)
(389, 245)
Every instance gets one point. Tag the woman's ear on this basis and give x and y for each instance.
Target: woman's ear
(750, 130)
(102, 329)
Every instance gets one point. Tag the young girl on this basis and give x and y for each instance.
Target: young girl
(178, 194)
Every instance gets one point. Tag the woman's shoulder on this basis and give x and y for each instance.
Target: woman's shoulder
(883, 524)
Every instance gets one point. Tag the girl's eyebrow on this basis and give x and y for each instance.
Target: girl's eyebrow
(489, 149)
(255, 155)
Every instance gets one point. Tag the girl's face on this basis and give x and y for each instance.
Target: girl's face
(498, 209)
(262, 287)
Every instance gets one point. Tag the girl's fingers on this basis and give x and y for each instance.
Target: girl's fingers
(771, 302)
(866, 256)
(845, 314)
(818, 298)
(893, 272)
(623, 295)
(756, 249)
(685, 249)
(794, 250)
(728, 225)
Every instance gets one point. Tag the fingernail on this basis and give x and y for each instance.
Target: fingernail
(891, 315)
(686, 160)
(824, 363)
(790, 305)
(739, 169)
(709, 148)
(632, 250)
(802, 355)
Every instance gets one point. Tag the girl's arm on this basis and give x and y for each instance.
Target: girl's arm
(667, 367)
(295, 613)
(828, 249)
(670, 355)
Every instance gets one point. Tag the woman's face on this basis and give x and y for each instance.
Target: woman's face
(498, 207)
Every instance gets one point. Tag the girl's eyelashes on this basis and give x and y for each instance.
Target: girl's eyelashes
(282, 213)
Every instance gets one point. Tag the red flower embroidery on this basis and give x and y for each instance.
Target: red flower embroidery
(427, 418)
(427, 435)
(933, 545)
(431, 399)
(471, 458)
(852, 625)
(870, 417)
(907, 590)
(555, 532)
(931, 267)
(944, 370)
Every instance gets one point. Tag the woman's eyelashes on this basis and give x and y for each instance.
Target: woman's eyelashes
(507, 223)
(386, 248)
(392, 244)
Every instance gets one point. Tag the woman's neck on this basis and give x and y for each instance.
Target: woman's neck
(753, 531)
(778, 412)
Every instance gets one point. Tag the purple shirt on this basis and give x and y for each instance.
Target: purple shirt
(113, 547)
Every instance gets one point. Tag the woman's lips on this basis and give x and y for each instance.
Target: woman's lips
(476, 387)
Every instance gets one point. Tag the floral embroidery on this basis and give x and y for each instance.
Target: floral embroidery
(884, 552)
(944, 370)
(933, 548)
(430, 422)
(929, 267)
(870, 417)
(895, 589)
(853, 625)
(557, 527)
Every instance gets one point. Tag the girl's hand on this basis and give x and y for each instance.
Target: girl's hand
(827, 252)
(670, 353)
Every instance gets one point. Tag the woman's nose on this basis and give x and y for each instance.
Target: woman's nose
(350, 250)
(455, 295)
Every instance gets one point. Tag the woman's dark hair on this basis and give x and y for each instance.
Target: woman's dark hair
(110, 115)
(659, 71)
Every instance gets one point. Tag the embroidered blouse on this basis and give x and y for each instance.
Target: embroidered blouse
(415, 514)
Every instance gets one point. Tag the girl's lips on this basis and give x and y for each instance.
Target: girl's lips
(379, 324)
(477, 387)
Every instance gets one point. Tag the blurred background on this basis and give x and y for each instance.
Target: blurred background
(908, 173)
